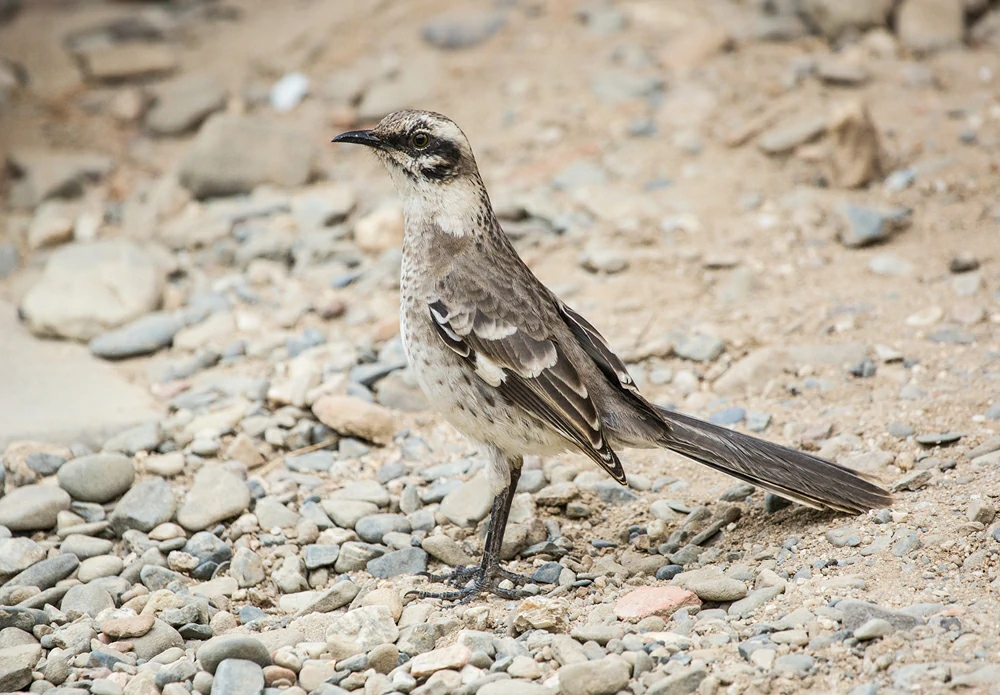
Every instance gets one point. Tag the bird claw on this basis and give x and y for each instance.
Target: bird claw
(487, 580)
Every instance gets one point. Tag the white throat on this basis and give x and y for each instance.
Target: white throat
(452, 206)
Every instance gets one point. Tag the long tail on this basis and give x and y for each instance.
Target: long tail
(795, 475)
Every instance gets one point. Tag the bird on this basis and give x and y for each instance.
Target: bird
(519, 372)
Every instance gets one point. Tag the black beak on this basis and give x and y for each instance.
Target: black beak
(360, 137)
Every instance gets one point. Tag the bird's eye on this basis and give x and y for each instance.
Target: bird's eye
(420, 140)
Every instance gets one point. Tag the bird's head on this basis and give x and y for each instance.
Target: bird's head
(419, 148)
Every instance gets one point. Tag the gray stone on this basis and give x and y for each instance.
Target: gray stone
(612, 492)
(314, 461)
(18, 554)
(461, 30)
(904, 542)
(406, 561)
(208, 547)
(219, 163)
(182, 104)
(273, 514)
(346, 513)
(873, 629)
(682, 683)
(900, 430)
(355, 556)
(620, 85)
(362, 491)
(16, 665)
(993, 412)
(159, 639)
(913, 480)
(33, 507)
(216, 494)
(601, 677)
(247, 568)
(857, 613)
(10, 259)
(86, 598)
(144, 437)
(244, 647)
(794, 665)
(727, 416)
(844, 536)
(470, 503)
(699, 348)
(372, 528)
(337, 596)
(147, 505)
(317, 556)
(46, 573)
(369, 626)
(143, 336)
(748, 605)
(238, 677)
(788, 134)
(864, 226)
(737, 493)
(98, 477)
(89, 288)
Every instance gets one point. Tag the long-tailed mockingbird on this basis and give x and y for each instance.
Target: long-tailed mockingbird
(514, 368)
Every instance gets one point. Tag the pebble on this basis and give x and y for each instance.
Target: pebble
(160, 638)
(243, 647)
(216, 494)
(368, 626)
(843, 537)
(143, 336)
(710, 585)
(144, 507)
(470, 503)
(601, 677)
(406, 561)
(33, 507)
(454, 657)
(98, 477)
(699, 348)
(873, 629)
(238, 677)
(445, 549)
(182, 104)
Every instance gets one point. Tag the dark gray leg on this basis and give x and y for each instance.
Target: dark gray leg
(488, 574)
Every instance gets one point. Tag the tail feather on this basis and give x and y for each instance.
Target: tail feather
(795, 475)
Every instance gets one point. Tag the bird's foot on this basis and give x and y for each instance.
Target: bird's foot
(460, 576)
(484, 579)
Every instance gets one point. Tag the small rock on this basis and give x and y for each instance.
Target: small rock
(98, 477)
(470, 503)
(238, 677)
(865, 226)
(540, 613)
(406, 561)
(355, 418)
(181, 105)
(602, 677)
(245, 647)
(913, 480)
(369, 626)
(844, 537)
(219, 163)
(661, 601)
(873, 629)
(33, 507)
(147, 505)
(216, 494)
(461, 30)
(699, 348)
(454, 657)
(142, 336)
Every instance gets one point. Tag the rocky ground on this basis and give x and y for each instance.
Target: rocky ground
(219, 476)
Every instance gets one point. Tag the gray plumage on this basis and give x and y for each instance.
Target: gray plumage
(513, 367)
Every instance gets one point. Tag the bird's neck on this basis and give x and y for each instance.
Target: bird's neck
(459, 208)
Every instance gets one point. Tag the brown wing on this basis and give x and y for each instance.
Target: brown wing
(527, 367)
